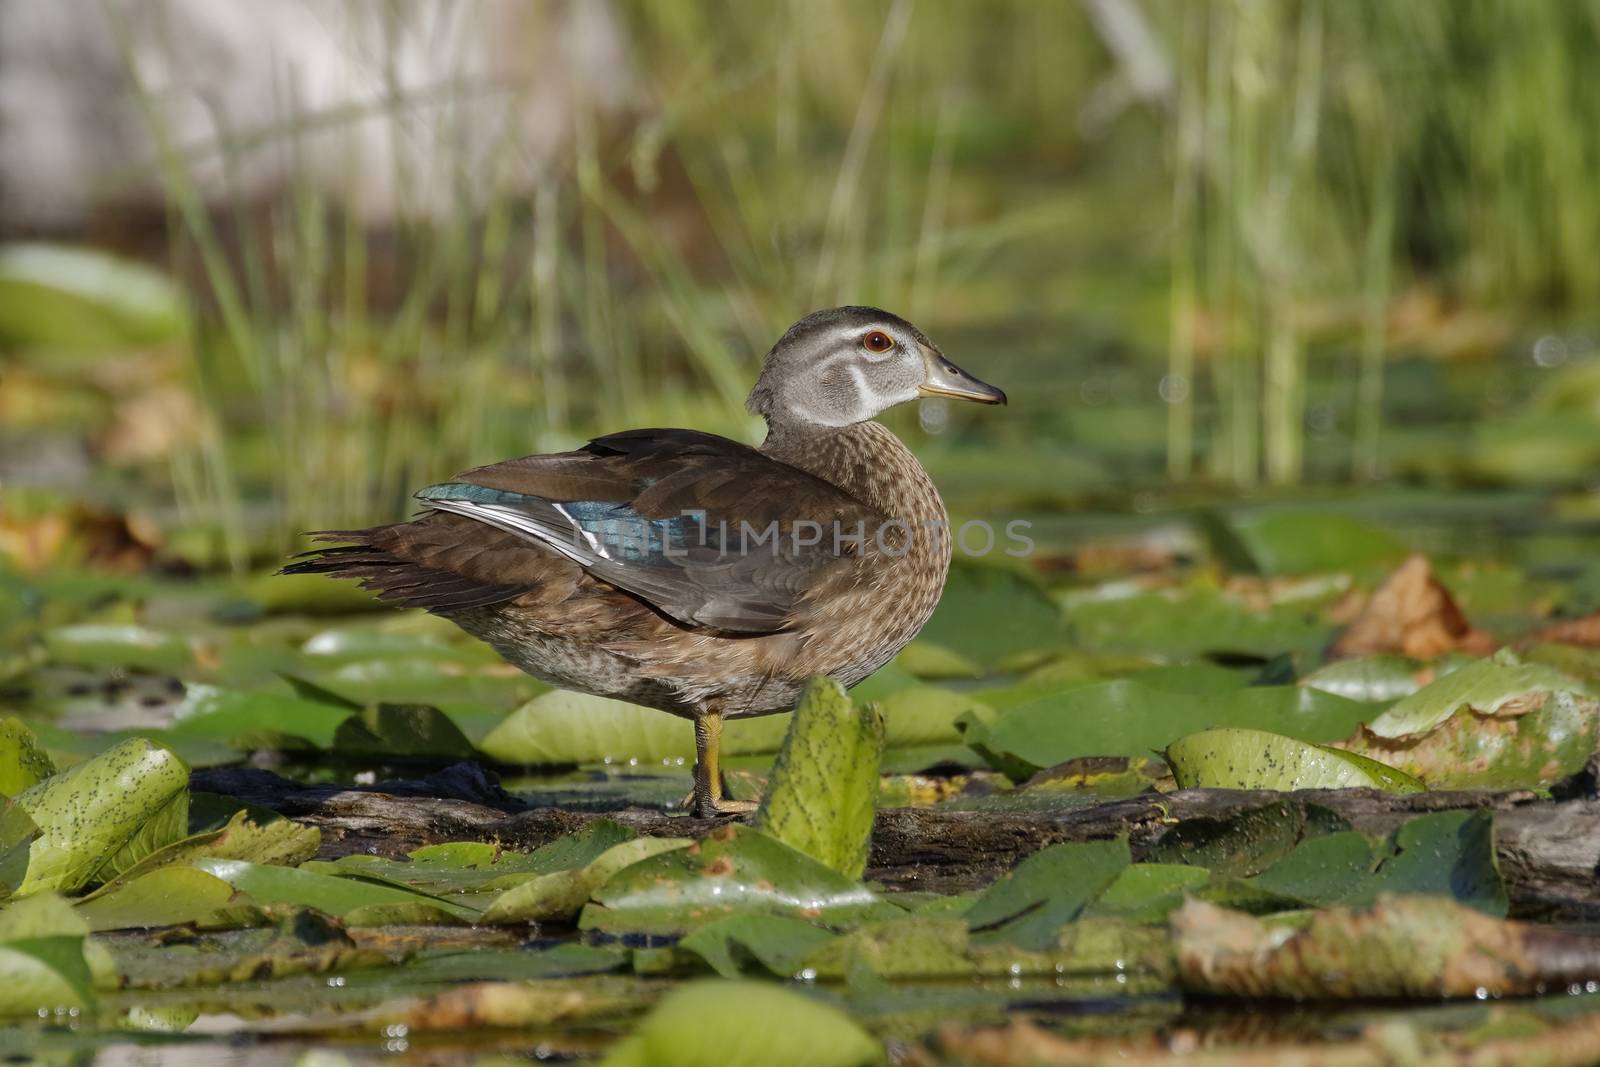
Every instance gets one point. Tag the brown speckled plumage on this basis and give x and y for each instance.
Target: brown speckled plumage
(521, 555)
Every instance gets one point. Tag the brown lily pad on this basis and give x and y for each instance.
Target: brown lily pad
(1412, 613)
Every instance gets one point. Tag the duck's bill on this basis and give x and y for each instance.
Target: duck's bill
(946, 379)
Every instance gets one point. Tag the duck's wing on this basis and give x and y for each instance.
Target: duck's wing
(706, 530)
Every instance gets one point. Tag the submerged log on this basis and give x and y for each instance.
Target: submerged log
(1548, 850)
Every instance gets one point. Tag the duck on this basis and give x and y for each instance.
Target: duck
(688, 572)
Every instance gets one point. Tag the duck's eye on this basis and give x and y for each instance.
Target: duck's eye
(877, 341)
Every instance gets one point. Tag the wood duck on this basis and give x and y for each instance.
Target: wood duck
(688, 572)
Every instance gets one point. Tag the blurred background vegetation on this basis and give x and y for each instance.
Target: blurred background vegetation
(270, 277)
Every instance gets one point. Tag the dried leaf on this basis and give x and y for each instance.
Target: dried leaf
(1412, 613)
(1403, 946)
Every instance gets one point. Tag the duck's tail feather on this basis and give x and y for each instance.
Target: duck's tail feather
(406, 563)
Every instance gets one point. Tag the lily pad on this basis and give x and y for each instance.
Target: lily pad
(989, 613)
(775, 942)
(562, 894)
(164, 896)
(23, 764)
(1047, 890)
(66, 297)
(823, 791)
(357, 902)
(1491, 687)
(1256, 759)
(405, 731)
(1552, 737)
(1375, 679)
(1128, 718)
(737, 870)
(93, 810)
(744, 1024)
(118, 645)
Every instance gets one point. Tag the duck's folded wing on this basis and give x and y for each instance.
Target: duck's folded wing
(706, 530)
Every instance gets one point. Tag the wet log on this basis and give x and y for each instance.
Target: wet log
(1548, 850)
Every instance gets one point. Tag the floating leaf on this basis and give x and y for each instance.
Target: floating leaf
(1047, 890)
(1194, 620)
(1103, 775)
(1472, 750)
(91, 811)
(61, 296)
(1147, 892)
(1255, 759)
(1449, 854)
(407, 731)
(23, 764)
(275, 841)
(1244, 843)
(735, 870)
(161, 897)
(1298, 542)
(563, 893)
(357, 902)
(166, 826)
(1402, 946)
(1128, 718)
(118, 645)
(744, 1024)
(925, 659)
(822, 794)
(1376, 679)
(1501, 685)
(566, 727)
(237, 715)
(1412, 613)
(989, 613)
(775, 942)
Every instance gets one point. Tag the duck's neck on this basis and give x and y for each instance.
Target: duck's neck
(866, 461)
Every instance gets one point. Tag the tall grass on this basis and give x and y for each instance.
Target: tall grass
(1328, 152)
(922, 154)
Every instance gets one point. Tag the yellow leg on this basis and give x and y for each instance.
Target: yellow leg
(708, 798)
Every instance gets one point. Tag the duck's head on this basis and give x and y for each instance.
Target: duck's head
(844, 365)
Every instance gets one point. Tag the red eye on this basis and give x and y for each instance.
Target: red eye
(877, 341)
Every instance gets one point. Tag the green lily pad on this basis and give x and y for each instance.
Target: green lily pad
(47, 960)
(1256, 759)
(561, 895)
(167, 825)
(118, 645)
(1193, 621)
(736, 870)
(1244, 843)
(65, 297)
(1375, 679)
(23, 764)
(357, 902)
(276, 841)
(1299, 542)
(1047, 890)
(238, 715)
(1488, 686)
(925, 659)
(406, 731)
(775, 942)
(1128, 718)
(823, 791)
(988, 614)
(1147, 892)
(90, 812)
(164, 896)
(739, 1023)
